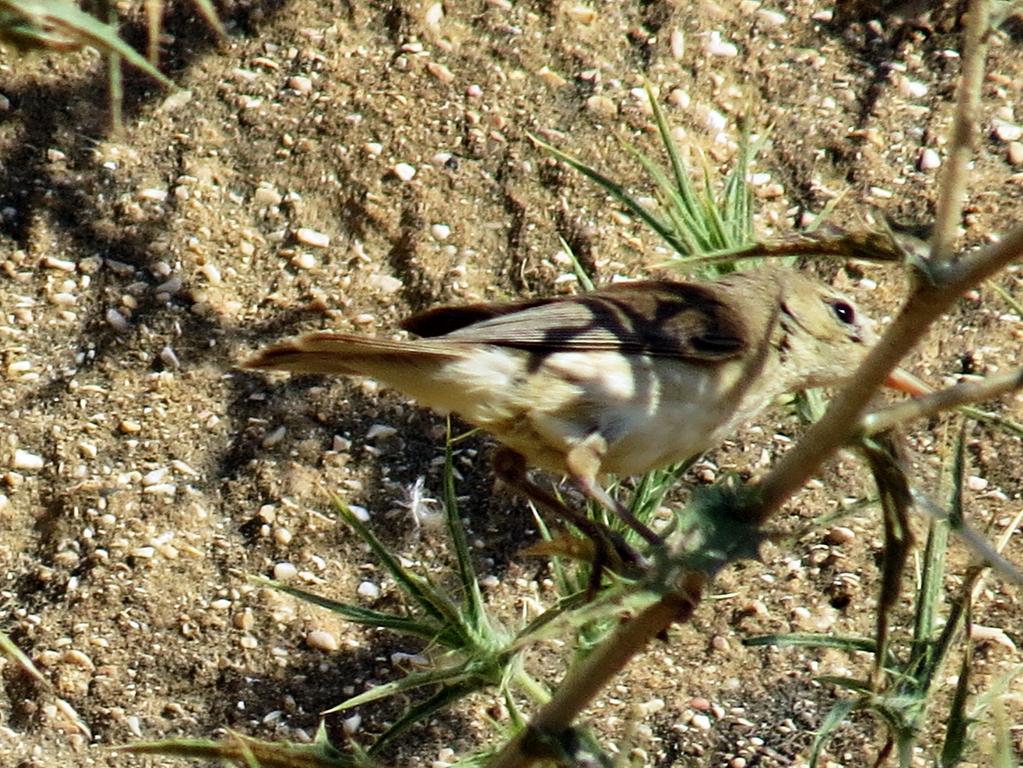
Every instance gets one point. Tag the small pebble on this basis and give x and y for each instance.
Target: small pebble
(715, 46)
(1015, 152)
(929, 159)
(285, 571)
(380, 432)
(361, 513)
(351, 725)
(840, 534)
(304, 260)
(300, 83)
(312, 238)
(404, 171)
(25, 460)
(368, 590)
(154, 477)
(440, 72)
(440, 231)
(266, 197)
(975, 483)
(581, 14)
(169, 358)
(321, 640)
(769, 18)
(677, 43)
(1008, 131)
(272, 438)
(433, 16)
(601, 105)
(117, 321)
(52, 262)
(701, 721)
(130, 426)
(912, 89)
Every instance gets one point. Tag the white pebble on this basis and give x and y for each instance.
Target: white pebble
(912, 89)
(975, 483)
(677, 43)
(1008, 131)
(144, 553)
(300, 83)
(769, 18)
(433, 15)
(312, 238)
(475, 92)
(117, 321)
(266, 196)
(715, 46)
(351, 725)
(380, 432)
(581, 14)
(272, 438)
(1015, 152)
(440, 231)
(701, 721)
(161, 489)
(374, 148)
(304, 260)
(361, 513)
(321, 640)
(154, 194)
(25, 460)
(929, 159)
(368, 590)
(714, 121)
(154, 477)
(404, 171)
(385, 283)
(52, 262)
(282, 537)
(169, 358)
(285, 571)
(679, 98)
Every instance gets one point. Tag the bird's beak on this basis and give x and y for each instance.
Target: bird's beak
(904, 381)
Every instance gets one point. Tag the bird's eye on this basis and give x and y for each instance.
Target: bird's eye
(844, 311)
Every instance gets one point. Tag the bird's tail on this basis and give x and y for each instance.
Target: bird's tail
(354, 356)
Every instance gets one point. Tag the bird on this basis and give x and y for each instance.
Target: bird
(628, 378)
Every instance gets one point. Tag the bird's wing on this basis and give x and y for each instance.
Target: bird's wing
(681, 320)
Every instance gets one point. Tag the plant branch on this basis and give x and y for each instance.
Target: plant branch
(946, 399)
(587, 679)
(952, 192)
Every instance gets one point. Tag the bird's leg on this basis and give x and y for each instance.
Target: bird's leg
(610, 548)
(583, 463)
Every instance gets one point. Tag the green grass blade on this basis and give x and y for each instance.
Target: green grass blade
(446, 676)
(425, 709)
(835, 717)
(405, 625)
(613, 188)
(474, 609)
(423, 593)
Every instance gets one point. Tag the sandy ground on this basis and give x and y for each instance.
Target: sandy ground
(145, 477)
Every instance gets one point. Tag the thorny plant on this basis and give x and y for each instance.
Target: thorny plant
(722, 523)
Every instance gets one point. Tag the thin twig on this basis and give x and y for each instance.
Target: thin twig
(952, 192)
(936, 402)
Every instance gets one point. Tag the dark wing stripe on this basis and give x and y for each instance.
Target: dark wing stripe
(654, 318)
